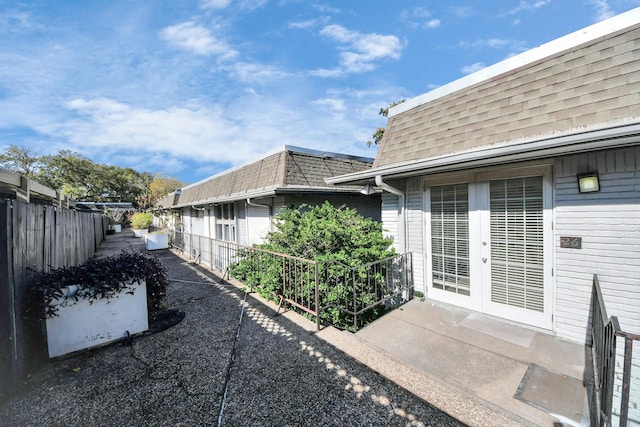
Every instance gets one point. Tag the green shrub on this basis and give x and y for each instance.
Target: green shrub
(339, 239)
(327, 233)
(141, 220)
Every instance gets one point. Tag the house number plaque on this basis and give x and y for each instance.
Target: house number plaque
(571, 242)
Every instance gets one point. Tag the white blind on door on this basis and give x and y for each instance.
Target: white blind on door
(517, 275)
(450, 238)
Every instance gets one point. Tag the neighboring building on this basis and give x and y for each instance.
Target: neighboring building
(101, 207)
(16, 186)
(481, 179)
(239, 205)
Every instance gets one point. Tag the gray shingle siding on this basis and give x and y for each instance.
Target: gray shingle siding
(585, 86)
(276, 172)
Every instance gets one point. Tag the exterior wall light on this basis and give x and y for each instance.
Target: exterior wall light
(367, 190)
(588, 182)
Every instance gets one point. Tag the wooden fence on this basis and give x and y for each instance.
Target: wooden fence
(35, 238)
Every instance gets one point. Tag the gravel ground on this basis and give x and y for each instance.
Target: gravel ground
(232, 361)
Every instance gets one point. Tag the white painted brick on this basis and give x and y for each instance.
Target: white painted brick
(609, 224)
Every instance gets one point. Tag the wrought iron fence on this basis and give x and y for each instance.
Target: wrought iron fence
(361, 293)
(605, 332)
(329, 291)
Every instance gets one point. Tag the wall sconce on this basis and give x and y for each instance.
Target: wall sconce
(588, 182)
(367, 190)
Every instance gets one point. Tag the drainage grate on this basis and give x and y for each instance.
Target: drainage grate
(553, 392)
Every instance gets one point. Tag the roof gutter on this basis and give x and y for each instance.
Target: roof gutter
(259, 205)
(600, 139)
(401, 210)
(226, 199)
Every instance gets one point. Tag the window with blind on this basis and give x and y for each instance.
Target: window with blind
(517, 275)
(450, 238)
(225, 222)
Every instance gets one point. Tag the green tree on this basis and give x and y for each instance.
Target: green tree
(22, 160)
(379, 133)
(156, 188)
(69, 172)
(81, 178)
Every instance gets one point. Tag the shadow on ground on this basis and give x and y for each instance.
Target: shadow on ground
(231, 361)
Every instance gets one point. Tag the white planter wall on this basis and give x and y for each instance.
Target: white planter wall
(82, 325)
(140, 232)
(156, 241)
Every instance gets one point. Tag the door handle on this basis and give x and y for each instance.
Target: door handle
(484, 259)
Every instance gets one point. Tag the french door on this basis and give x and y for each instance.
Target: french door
(488, 240)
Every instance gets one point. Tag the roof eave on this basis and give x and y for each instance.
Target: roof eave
(610, 137)
(270, 192)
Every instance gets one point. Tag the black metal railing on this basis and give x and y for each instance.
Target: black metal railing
(361, 293)
(329, 291)
(605, 332)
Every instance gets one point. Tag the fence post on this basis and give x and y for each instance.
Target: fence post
(626, 381)
(355, 309)
(8, 341)
(317, 276)
(210, 240)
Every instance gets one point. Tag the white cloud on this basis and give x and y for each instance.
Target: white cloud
(528, 6)
(432, 23)
(310, 23)
(256, 73)
(335, 106)
(461, 12)
(419, 17)
(253, 4)
(303, 24)
(197, 39)
(495, 43)
(326, 9)
(327, 72)
(190, 132)
(468, 69)
(361, 51)
(199, 134)
(603, 9)
(215, 4)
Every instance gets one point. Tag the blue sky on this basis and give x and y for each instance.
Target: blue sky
(189, 88)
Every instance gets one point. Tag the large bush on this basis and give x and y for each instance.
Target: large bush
(338, 238)
(325, 232)
(141, 220)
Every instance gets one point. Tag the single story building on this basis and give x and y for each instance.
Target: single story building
(239, 205)
(514, 185)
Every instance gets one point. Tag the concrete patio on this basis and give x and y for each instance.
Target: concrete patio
(467, 359)
(234, 360)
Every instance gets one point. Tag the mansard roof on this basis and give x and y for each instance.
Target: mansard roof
(553, 96)
(288, 170)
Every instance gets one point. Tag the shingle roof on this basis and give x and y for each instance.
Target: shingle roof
(590, 79)
(290, 169)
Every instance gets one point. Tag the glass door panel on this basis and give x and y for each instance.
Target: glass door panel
(450, 238)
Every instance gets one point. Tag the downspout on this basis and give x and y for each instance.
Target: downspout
(401, 211)
(259, 205)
